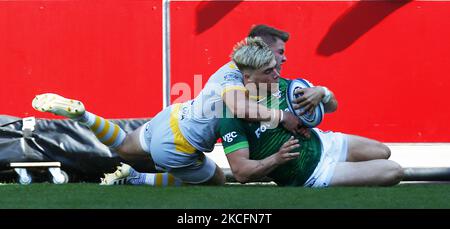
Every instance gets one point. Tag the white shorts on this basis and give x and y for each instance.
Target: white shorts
(334, 150)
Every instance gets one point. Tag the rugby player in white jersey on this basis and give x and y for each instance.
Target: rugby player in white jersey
(176, 137)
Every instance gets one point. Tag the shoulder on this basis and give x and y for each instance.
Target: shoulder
(231, 122)
(230, 72)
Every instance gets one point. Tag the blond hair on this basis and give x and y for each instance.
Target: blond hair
(251, 53)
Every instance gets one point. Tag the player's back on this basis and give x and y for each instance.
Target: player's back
(199, 118)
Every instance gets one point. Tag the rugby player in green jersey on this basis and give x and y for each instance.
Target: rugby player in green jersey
(359, 148)
(257, 149)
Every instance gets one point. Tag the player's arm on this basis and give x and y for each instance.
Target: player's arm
(310, 97)
(246, 170)
(239, 103)
(236, 147)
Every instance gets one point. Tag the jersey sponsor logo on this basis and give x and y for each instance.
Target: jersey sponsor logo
(184, 113)
(261, 130)
(230, 77)
(229, 137)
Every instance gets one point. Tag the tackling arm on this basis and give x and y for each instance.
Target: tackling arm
(241, 106)
(239, 103)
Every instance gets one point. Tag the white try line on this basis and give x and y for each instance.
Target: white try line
(34, 164)
(406, 154)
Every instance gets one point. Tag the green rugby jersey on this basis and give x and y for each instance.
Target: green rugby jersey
(263, 142)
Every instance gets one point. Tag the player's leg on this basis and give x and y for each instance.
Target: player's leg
(334, 149)
(109, 133)
(131, 144)
(379, 172)
(203, 172)
(364, 149)
(130, 147)
(106, 131)
(179, 158)
(333, 165)
(171, 151)
(217, 179)
(125, 174)
(135, 149)
(132, 151)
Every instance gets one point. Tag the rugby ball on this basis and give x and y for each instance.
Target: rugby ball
(309, 120)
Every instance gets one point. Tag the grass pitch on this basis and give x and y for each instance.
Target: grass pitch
(94, 196)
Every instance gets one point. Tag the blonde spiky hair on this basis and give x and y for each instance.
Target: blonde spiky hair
(251, 53)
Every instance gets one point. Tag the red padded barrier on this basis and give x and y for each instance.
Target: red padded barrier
(106, 53)
(386, 61)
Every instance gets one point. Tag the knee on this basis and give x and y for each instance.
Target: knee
(219, 176)
(130, 150)
(385, 151)
(394, 174)
(125, 146)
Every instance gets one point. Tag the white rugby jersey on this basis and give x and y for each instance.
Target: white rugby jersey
(199, 118)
